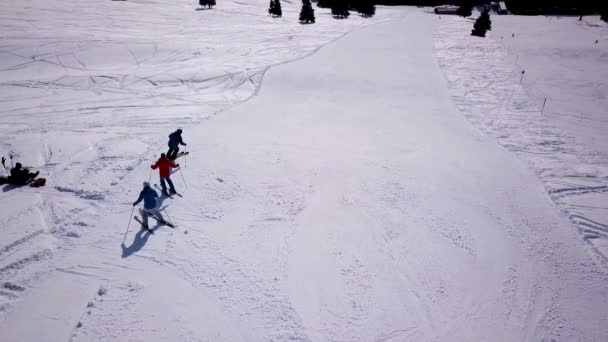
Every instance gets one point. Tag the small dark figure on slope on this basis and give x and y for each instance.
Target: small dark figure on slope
(175, 139)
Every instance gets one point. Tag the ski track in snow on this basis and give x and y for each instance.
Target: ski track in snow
(484, 79)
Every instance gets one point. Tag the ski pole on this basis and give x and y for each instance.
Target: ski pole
(11, 156)
(150, 175)
(183, 179)
(185, 156)
(128, 225)
(169, 217)
(3, 164)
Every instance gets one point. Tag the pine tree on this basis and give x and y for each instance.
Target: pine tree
(307, 14)
(275, 8)
(465, 9)
(339, 8)
(365, 7)
(482, 24)
(324, 3)
(604, 12)
(208, 3)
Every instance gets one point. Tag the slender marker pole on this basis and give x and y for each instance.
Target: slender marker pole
(544, 103)
(128, 225)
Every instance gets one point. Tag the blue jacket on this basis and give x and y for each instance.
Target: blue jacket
(175, 139)
(149, 196)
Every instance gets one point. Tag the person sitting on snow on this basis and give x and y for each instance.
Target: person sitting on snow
(149, 196)
(20, 175)
(175, 139)
(164, 166)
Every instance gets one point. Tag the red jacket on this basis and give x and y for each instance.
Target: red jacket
(164, 165)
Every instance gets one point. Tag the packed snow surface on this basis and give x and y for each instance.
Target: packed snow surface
(553, 116)
(334, 190)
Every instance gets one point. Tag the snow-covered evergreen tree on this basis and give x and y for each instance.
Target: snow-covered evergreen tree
(465, 9)
(324, 3)
(307, 14)
(482, 24)
(365, 7)
(275, 8)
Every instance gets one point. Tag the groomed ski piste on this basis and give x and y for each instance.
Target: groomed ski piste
(368, 179)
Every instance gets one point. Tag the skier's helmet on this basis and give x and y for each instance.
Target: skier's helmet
(146, 184)
(18, 166)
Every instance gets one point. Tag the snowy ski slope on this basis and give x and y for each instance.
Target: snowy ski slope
(342, 196)
(566, 142)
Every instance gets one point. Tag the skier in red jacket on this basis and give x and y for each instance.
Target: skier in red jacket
(164, 166)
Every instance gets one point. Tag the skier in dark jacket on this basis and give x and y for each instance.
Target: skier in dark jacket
(20, 176)
(175, 139)
(149, 196)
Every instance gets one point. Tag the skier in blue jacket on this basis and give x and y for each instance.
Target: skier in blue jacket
(175, 139)
(149, 196)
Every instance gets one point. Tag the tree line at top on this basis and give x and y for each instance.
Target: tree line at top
(339, 8)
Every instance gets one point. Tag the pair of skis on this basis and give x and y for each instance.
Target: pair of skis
(181, 154)
(163, 222)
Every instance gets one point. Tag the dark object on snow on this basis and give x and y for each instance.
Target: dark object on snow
(208, 3)
(446, 9)
(482, 24)
(307, 14)
(175, 139)
(465, 9)
(275, 8)
(365, 7)
(339, 8)
(33, 182)
(19, 175)
(554, 7)
(324, 3)
(38, 182)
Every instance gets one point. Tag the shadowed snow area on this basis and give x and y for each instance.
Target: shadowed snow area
(348, 199)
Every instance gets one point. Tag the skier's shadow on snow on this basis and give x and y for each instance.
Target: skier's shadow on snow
(9, 187)
(139, 241)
